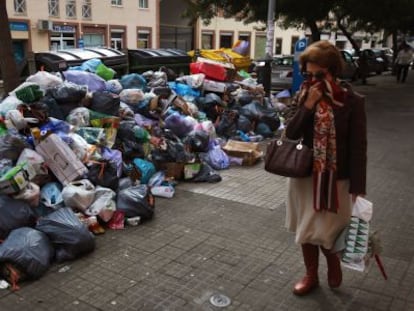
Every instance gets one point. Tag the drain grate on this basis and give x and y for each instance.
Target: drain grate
(220, 300)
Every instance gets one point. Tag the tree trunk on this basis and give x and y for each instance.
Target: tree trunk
(8, 65)
(348, 35)
(315, 32)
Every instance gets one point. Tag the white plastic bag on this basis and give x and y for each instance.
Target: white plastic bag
(79, 194)
(355, 255)
(104, 204)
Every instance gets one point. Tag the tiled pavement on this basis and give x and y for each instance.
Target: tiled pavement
(229, 238)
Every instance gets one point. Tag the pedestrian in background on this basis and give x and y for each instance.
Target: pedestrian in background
(363, 66)
(331, 119)
(403, 60)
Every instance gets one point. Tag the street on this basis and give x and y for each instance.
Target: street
(229, 238)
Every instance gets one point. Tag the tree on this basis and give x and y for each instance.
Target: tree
(8, 65)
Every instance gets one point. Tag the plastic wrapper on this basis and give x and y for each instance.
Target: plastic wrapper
(69, 236)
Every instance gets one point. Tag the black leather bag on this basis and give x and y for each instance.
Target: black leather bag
(289, 158)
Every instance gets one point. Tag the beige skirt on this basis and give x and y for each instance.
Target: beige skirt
(315, 227)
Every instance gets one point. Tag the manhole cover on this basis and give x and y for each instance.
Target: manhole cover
(220, 300)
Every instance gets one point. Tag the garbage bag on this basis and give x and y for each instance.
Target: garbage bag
(69, 236)
(227, 125)
(136, 201)
(45, 79)
(207, 174)
(51, 195)
(105, 102)
(79, 194)
(133, 81)
(91, 80)
(14, 214)
(197, 141)
(29, 250)
(146, 169)
(114, 86)
(180, 125)
(12, 144)
(103, 173)
(104, 204)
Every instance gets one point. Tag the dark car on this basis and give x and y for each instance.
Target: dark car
(371, 61)
(387, 54)
(351, 68)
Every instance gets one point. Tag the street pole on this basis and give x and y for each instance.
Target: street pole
(269, 46)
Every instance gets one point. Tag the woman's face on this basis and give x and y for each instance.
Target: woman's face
(315, 73)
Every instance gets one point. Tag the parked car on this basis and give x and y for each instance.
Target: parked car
(351, 68)
(282, 72)
(374, 61)
(387, 54)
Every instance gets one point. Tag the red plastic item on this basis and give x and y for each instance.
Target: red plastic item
(212, 71)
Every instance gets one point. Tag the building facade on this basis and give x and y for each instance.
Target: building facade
(44, 25)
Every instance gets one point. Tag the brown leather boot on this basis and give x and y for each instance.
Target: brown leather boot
(310, 280)
(334, 268)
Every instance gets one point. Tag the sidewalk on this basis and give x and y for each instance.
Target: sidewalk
(228, 238)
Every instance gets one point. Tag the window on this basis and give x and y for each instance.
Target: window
(143, 4)
(226, 40)
(116, 2)
(116, 40)
(278, 47)
(20, 6)
(292, 47)
(93, 40)
(54, 8)
(144, 38)
(207, 40)
(71, 8)
(87, 9)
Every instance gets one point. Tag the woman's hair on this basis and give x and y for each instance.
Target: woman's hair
(324, 54)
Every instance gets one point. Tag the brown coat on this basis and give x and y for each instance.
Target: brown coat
(351, 138)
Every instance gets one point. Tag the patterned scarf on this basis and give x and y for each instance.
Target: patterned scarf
(325, 196)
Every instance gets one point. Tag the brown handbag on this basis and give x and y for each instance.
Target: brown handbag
(289, 158)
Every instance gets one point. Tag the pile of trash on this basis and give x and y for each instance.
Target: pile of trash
(82, 152)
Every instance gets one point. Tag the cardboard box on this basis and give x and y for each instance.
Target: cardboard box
(16, 179)
(249, 151)
(214, 86)
(60, 159)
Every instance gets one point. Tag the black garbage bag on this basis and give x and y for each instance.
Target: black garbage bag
(197, 141)
(25, 254)
(227, 125)
(12, 145)
(244, 124)
(54, 110)
(256, 112)
(105, 102)
(69, 236)
(14, 214)
(68, 96)
(126, 141)
(136, 201)
(264, 130)
(104, 173)
(207, 174)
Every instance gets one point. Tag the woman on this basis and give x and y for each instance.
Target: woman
(403, 61)
(331, 120)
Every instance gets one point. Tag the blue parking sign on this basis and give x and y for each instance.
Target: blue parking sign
(300, 46)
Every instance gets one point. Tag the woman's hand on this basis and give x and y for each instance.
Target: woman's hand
(314, 95)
